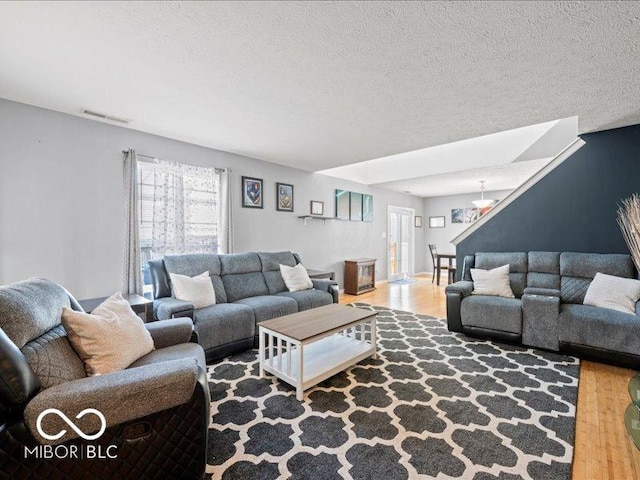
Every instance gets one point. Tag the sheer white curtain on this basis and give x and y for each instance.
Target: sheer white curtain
(132, 276)
(189, 212)
(226, 227)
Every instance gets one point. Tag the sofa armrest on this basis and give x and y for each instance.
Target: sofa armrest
(119, 397)
(544, 292)
(170, 332)
(455, 293)
(540, 315)
(168, 307)
(325, 285)
(463, 287)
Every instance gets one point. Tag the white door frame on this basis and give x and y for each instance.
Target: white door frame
(411, 212)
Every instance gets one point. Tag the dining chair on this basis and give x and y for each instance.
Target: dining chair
(451, 269)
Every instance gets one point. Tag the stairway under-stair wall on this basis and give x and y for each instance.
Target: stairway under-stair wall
(572, 208)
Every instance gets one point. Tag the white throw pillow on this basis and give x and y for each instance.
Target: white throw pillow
(492, 282)
(197, 290)
(296, 278)
(108, 339)
(614, 293)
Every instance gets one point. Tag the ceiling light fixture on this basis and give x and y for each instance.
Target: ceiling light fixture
(104, 116)
(482, 203)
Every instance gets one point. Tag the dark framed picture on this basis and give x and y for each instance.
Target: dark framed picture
(342, 204)
(252, 192)
(355, 202)
(317, 207)
(436, 222)
(284, 197)
(367, 208)
(417, 221)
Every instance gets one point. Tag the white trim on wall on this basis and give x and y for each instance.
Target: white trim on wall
(572, 148)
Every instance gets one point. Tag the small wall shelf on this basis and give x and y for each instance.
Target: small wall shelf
(315, 217)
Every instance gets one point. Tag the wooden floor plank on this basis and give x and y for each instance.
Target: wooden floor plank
(603, 450)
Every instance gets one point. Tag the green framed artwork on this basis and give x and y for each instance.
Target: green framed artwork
(355, 207)
(367, 208)
(342, 204)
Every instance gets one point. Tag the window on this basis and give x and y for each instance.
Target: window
(179, 211)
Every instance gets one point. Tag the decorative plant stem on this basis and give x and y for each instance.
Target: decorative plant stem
(629, 221)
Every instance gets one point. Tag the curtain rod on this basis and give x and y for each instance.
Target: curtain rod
(124, 152)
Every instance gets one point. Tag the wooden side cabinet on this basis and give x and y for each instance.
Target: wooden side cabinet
(359, 275)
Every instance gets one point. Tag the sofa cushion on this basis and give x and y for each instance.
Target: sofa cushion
(308, 299)
(544, 262)
(518, 267)
(173, 352)
(234, 263)
(586, 265)
(271, 262)
(267, 307)
(197, 290)
(615, 293)
(193, 264)
(242, 276)
(600, 328)
(30, 308)
(223, 323)
(491, 282)
(573, 289)
(108, 339)
(488, 260)
(543, 280)
(53, 359)
(244, 285)
(494, 313)
(296, 278)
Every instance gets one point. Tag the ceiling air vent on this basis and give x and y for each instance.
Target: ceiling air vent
(106, 117)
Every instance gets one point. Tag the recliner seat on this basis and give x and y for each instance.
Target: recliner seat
(156, 411)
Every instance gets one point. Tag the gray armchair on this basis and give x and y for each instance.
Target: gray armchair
(149, 409)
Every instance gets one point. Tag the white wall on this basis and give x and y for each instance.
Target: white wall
(62, 205)
(442, 206)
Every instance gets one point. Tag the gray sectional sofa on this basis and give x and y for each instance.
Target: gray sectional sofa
(248, 289)
(547, 311)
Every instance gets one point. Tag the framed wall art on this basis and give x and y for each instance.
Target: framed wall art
(317, 207)
(367, 208)
(342, 204)
(470, 215)
(355, 206)
(436, 222)
(417, 221)
(284, 197)
(252, 192)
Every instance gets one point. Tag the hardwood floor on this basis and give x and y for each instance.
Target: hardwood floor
(603, 449)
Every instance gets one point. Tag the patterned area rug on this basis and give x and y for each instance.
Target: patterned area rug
(433, 404)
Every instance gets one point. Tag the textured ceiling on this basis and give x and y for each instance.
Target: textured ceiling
(321, 84)
(504, 159)
(498, 177)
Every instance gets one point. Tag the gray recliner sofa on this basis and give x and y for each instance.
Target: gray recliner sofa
(248, 288)
(547, 311)
(155, 412)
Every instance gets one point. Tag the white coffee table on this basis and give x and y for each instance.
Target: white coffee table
(305, 348)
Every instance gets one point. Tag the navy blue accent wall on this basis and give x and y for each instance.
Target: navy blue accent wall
(573, 208)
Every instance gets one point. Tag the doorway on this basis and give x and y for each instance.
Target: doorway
(400, 248)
